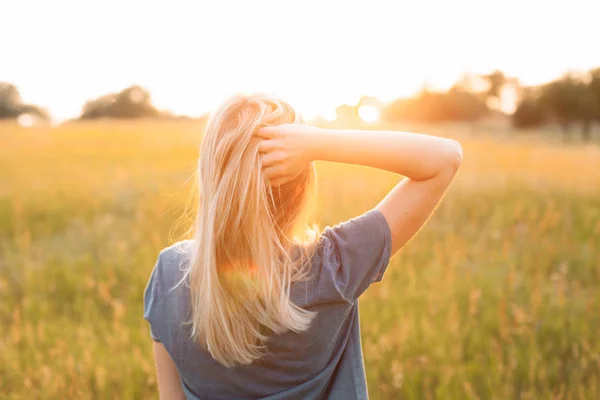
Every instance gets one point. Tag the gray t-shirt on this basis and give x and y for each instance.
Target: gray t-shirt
(324, 362)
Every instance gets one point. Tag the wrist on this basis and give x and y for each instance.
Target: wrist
(318, 143)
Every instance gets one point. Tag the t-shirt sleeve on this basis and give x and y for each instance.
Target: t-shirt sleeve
(356, 253)
(152, 299)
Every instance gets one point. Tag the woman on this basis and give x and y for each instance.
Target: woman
(258, 305)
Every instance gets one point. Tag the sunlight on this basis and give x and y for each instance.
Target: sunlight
(330, 115)
(26, 120)
(368, 114)
(188, 85)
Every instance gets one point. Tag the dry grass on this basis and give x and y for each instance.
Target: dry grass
(498, 297)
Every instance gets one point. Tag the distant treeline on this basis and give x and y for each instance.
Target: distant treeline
(130, 103)
(570, 100)
(11, 104)
(573, 99)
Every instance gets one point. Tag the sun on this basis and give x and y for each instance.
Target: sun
(330, 115)
(368, 114)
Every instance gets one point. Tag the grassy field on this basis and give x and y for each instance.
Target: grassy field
(497, 298)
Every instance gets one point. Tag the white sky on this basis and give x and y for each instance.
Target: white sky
(315, 53)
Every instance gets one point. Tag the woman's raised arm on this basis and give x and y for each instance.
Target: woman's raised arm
(429, 164)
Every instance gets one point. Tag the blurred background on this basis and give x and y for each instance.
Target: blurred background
(102, 107)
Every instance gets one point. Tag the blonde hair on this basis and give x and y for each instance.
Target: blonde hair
(243, 260)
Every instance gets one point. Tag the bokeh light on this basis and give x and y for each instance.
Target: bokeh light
(26, 120)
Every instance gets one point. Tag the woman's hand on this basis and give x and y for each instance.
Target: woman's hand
(286, 151)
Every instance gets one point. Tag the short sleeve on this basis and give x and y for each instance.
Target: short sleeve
(151, 300)
(356, 253)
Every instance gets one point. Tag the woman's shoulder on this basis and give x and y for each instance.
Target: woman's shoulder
(164, 284)
(176, 251)
(353, 254)
(173, 259)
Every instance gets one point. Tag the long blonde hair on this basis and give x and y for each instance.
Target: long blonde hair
(246, 233)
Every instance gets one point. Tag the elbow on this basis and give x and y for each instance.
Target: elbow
(446, 162)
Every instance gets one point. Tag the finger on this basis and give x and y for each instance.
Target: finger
(273, 172)
(266, 146)
(267, 132)
(281, 181)
(285, 178)
(272, 158)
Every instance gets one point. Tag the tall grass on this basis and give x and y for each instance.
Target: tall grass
(498, 297)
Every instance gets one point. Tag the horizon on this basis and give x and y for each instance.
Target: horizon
(317, 56)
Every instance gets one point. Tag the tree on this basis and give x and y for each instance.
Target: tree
(34, 110)
(464, 105)
(567, 100)
(528, 114)
(12, 105)
(99, 107)
(496, 81)
(594, 86)
(594, 95)
(132, 102)
(430, 106)
(347, 114)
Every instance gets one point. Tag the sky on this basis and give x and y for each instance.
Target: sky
(317, 54)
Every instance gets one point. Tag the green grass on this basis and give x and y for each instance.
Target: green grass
(497, 297)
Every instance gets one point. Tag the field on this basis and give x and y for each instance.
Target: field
(498, 297)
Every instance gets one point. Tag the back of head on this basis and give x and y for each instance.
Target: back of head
(241, 269)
